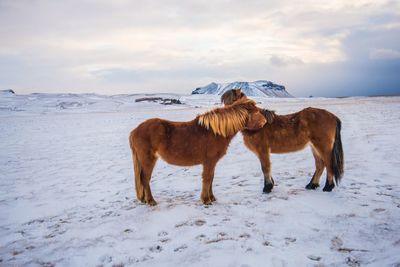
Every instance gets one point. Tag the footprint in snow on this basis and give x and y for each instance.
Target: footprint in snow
(352, 262)
(17, 252)
(181, 224)
(314, 258)
(199, 222)
(249, 224)
(244, 236)
(156, 249)
(336, 243)
(164, 239)
(106, 259)
(163, 233)
(46, 263)
(379, 210)
(289, 240)
(180, 248)
(267, 244)
(201, 237)
(346, 215)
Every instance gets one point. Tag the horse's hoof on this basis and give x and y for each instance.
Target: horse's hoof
(152, 202)
(213, 198)
(312, 186)
(268, 188)
(273, 181)
(328, 188)
(207, 202)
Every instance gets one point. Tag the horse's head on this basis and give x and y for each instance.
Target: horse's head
(255, 120)
(243, 114)
(231, 96)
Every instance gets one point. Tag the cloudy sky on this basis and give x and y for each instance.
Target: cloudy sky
(320, 48)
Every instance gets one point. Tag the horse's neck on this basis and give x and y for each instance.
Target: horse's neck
(196, 123)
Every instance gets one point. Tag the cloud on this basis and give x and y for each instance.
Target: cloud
(179, 45)
(384, 54)
(282, 61)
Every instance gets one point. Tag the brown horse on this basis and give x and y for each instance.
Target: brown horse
(203, 140)
(292, 132)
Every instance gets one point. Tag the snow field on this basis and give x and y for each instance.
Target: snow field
(67, 195)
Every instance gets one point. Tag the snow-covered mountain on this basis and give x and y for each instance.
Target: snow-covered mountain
(258, 88)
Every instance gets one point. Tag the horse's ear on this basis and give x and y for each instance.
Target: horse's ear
(256, 121)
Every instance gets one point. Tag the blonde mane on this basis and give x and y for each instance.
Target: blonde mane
(228, 120)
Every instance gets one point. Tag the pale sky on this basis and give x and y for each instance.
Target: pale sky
(320, 48)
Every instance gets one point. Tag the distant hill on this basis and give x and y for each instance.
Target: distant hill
(258, 88)
(7, 92)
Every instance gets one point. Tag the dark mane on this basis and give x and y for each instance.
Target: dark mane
(268, 114)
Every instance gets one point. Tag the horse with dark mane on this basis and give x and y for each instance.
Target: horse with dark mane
(293, 132)
(203, 140)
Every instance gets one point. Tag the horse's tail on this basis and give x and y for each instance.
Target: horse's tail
(337, 154)
(137, 170)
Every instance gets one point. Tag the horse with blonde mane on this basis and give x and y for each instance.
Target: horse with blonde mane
(203, 140)
(293, 132)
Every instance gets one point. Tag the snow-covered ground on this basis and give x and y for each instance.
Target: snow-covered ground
(67, 195)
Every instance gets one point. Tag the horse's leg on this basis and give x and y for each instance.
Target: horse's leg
(148, 166)
(319, 169)
(329, 184)
(266, 168)
(323, 146)
(326, 155)
(211, 194)
(208, 175)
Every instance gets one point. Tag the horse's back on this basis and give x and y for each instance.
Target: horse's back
(317, 119)
(288, 134)
(317, 114)
(178, 143)
(292, 132)
(145, 136)
(148, 129)
(188, 143)
(321, 125)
